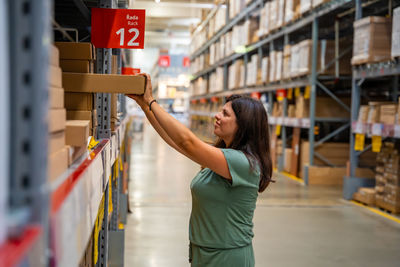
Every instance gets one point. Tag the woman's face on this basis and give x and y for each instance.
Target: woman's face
(225, 125)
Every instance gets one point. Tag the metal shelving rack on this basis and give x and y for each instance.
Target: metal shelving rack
(362, 74)
(40, 216)
(314, 80)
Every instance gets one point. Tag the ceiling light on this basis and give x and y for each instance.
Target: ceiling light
(157, 1)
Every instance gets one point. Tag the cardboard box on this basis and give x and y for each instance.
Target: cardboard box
(56, 98)
(290, 10)
(87, 115)
(288, 159)
(75, 152)
(80, 51)
(305, 6)
(316, 3)
(57, 118)
(363, 114)
(55, 76)
(103, 83)
(388, 113)
(114, 113)
(81, 66)
(291, 111)
(77, 133)
(54, 56)
(79, 101)
(57, 164)
(264, 70)
(372, 40)
(56, 142)
(395, 52)
(318, 175)
(365, 195)
(398, 112)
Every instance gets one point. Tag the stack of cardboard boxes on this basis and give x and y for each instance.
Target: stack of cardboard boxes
(380, 112)
(57, 151)
(81, 113)
(372, 40)
(388, 178)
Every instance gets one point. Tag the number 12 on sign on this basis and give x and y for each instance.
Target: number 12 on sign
(118, 28)
(132, 42)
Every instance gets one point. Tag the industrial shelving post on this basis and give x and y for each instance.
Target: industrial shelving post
(29, 41)
(4, 117)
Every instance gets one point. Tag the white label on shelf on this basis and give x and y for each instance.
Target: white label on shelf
(272, 120)
(296, 122)
(358, 127)
(376, 129)
(279, 120)
(305, 123)
(286, 121)
(397, 131)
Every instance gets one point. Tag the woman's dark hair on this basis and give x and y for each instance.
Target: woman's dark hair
(252, 136)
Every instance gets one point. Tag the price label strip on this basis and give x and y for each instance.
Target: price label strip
(359, 142)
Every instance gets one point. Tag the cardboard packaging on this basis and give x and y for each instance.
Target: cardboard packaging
(79, 51)
(279, 63)
(54, 56)
(388, 113)
(79, 101)
(77, 133)
(56, 142)
(75, 152)
(288, 158)
(272, 66)
(372, 40)
(290, 10)
(316, 3)
(57, 164)
(103, 83)
(273, 15)
(56, 98)
(398, 112)
(365, 195)
(305, 6)
(87, 115)
(363, 114)
(264, 70)
(80, 66)
(57, 118)
(395, 52)
(55, 76)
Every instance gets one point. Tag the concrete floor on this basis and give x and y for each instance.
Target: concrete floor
(294, 225)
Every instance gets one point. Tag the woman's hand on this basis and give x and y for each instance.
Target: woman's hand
(147, 97)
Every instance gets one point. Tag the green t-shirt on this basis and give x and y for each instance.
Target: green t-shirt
(222, 210)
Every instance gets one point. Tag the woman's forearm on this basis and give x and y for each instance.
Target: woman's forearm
(153, 121)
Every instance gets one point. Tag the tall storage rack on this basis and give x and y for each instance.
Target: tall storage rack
(363, 74)
(79, 217)
(315, 24)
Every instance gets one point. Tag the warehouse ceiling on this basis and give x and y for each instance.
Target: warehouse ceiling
(168, 21)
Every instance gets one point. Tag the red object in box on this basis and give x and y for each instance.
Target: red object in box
(130, 71)
(118, 28)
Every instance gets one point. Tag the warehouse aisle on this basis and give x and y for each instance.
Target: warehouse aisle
(294, 225)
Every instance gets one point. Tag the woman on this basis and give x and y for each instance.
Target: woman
(225, 191)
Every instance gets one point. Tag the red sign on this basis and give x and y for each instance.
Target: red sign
(118, 28)
(164, 61)
(256, 95)
(186, 62)
(280, 94)
(130, 71)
